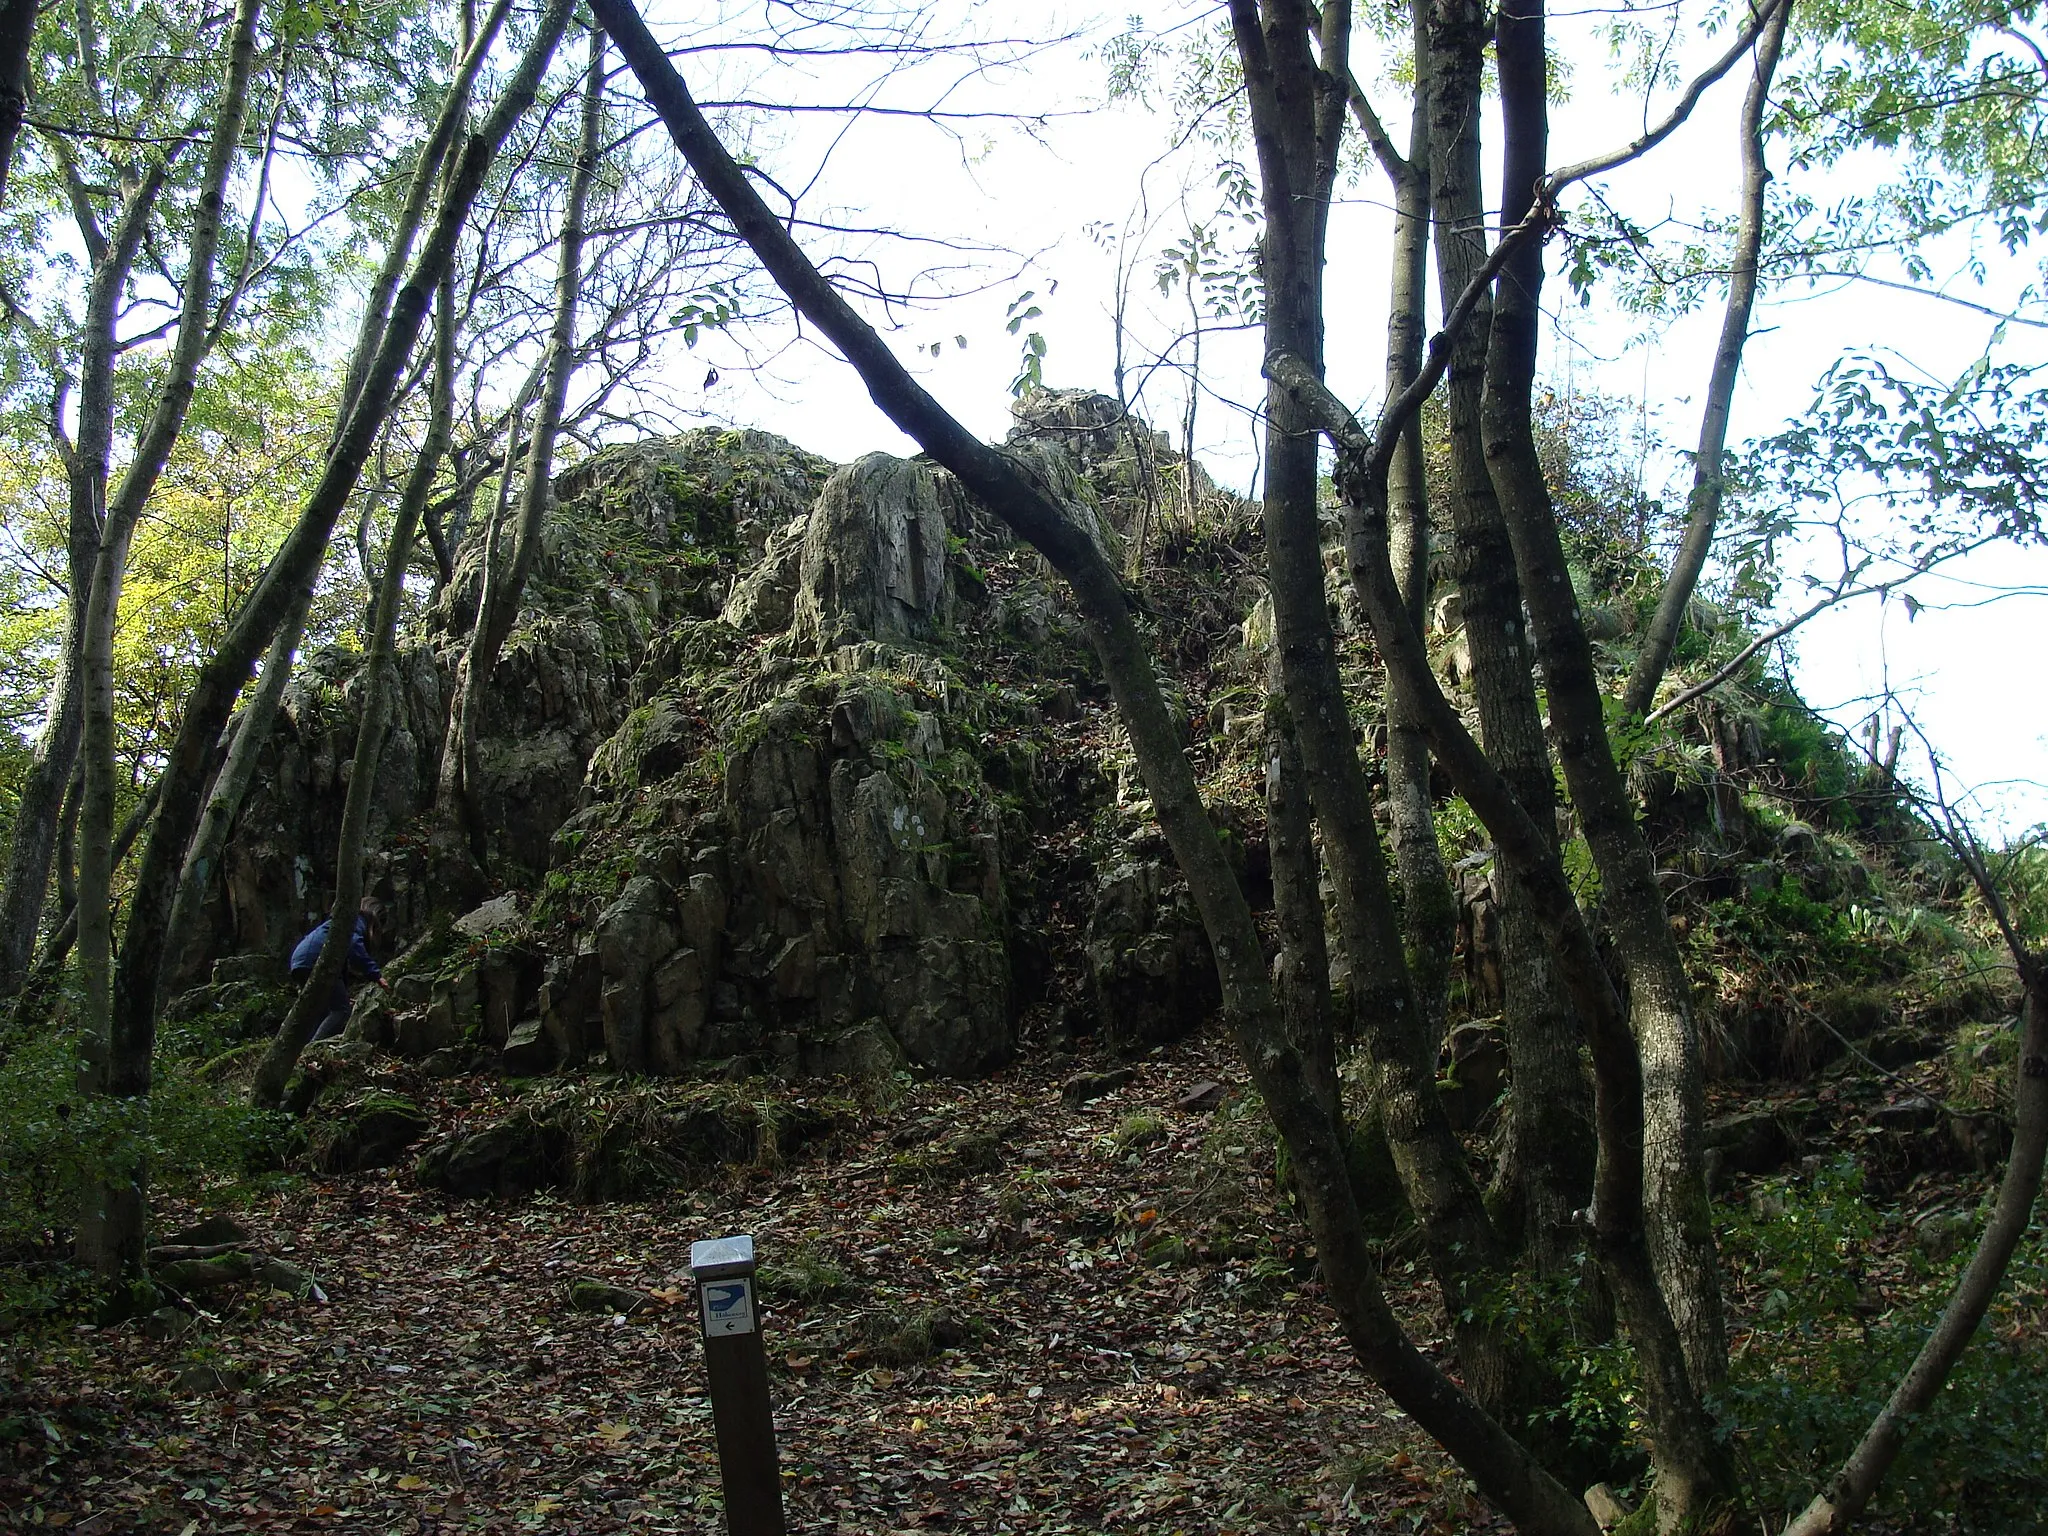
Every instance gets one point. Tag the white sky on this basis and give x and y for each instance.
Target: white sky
(1968, 673)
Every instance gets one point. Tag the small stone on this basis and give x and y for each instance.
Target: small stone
(1088, 1086)
(1607, 1510)
(598, 1296)
(1201, 1098)
(166, 1323)
(216, 1229)
(186, 1275)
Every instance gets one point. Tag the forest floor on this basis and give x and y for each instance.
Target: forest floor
(446, 1384)
(992, 1309)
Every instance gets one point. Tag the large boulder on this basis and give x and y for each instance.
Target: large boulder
(874, 555)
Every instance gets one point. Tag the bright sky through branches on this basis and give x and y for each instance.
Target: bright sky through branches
(1049, 207)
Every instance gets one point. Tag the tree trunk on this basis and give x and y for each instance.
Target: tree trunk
(1546, 1174)
(1660, 994)
(1297, 114)
(1505, 1472)
(266, 1088)
(498, 601)
(292, 570)
(185, 947)
(17, 29)
(87, 467)
(1692, 1468)
(1703, 505)
(112, 1241)
(1429, 913)
(1304, 962)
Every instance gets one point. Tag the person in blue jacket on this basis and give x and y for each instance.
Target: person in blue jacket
(307, 955)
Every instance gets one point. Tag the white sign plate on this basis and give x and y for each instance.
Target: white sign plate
(728, 1306)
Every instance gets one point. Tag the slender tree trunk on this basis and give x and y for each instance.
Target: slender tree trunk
(1298, 113)
(110, 1238)
(1429, 913)
(293, 570)
(184, 944)
(1547, 1171)
(1680, 1218)
(377, 307)
(498, 601)
(1505, 1472)
(87, 467)
(266, 1089)
(17, 29)
(1304, 963)
(1703, 505)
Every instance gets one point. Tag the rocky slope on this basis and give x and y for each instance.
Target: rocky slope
(807, 768)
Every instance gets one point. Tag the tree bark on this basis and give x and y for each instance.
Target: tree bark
(110, 1239)
(1504, 1470)
(1692, 1467)
(1703, 504)
(1680, 1218)
(184, 944)
(17, 30)
(87, 468)
(1429, 913)
(1297, 116)
(292, 570)
(1304, 961)
(266, 1088)
(1547, 1170)
(498, 601)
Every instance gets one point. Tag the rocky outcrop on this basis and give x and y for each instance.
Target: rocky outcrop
(777, 752)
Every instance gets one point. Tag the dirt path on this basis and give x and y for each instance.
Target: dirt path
(1137, 1345)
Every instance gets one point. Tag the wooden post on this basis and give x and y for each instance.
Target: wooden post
(736, 1363)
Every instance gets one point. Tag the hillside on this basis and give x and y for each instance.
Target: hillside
(818, 899)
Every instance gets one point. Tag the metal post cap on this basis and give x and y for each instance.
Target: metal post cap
(719, 1257)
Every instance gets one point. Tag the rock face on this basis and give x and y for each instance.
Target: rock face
(771, 759)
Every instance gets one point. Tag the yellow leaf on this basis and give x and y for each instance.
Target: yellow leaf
(546, 1506)
(410, 1482)
(614, 1433)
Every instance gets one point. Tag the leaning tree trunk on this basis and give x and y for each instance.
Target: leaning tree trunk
(1298, 115)
(1703, 505)
(17, 29)
(1505, 1472)
(1849, 1490)
(498, 601)
(185, 946)
(266, 1089)
(110, 1236)
(293, 569)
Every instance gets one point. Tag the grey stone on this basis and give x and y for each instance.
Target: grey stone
(529, 1049)
(499, 912)
(1085, 1087)
(874, 555)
